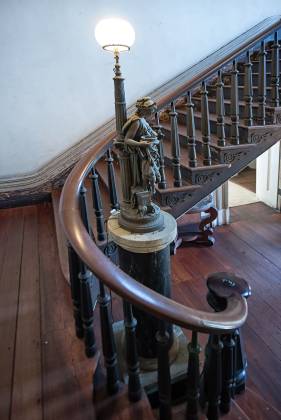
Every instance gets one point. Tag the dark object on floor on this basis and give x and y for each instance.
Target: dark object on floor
(192, 234)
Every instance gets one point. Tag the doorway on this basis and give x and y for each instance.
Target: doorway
(258, 181)
(242, 187)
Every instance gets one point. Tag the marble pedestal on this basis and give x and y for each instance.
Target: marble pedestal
(146, 258)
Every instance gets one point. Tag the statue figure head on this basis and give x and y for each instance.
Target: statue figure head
(146, 106)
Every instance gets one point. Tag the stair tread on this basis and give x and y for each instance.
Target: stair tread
(198, 136)
(200, 164)
(213, 117)
(226, 101)
(239, 87)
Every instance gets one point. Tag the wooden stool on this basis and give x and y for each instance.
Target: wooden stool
(194, 234)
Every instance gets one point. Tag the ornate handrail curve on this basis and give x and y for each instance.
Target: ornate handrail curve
(268, 25)
(231, 318)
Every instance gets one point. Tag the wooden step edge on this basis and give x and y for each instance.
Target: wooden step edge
(212, 117)
(200, 167)
(228, 147)
(239, 87)
(61, 239)
(169, 190)
(226, 101)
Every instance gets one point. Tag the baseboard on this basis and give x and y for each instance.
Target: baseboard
(23, 198)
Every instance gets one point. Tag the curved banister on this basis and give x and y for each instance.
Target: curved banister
(219, 371)
(231, 318)
(236, 312)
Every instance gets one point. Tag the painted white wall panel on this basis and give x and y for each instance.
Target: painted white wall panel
(56, 83)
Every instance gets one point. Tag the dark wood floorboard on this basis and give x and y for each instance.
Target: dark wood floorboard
(44, 373)
(250, 247)
(26, 395)
(9, 294)
(66, 373)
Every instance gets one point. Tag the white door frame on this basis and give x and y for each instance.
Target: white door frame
(267, 176)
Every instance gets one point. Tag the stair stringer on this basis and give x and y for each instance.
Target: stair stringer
(260, 138)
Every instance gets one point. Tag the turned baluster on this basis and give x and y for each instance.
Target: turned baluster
(97, 205)
(134, 385)
(262, 85)
(164, 378)
(193, 376)
(234, 106)
(87, 313)
(275, 71)
(108, 341)
(114, 202)
(85, 277)
(220, 110)
(205, 126)
(163, 183)
(227, 372)
(74, 268)
(214, 376)
(175, 143)
(84, 209)
(248, 91)
(191, 142)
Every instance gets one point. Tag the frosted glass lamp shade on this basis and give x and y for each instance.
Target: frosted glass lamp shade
(115, 35)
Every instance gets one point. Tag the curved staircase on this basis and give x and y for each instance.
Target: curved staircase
(211, 127)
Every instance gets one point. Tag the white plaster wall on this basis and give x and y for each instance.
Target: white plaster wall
(56, 83)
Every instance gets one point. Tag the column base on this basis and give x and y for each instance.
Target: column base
(178, 355)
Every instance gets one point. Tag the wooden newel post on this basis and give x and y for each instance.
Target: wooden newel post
(234, 360)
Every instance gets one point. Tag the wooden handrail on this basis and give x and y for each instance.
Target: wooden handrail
(234, 315)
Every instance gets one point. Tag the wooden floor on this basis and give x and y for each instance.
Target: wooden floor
(246, 178)
(44, 374)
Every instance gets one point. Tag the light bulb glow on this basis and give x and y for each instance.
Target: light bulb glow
(115, 34)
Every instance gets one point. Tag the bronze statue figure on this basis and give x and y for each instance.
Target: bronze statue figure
(141, 144)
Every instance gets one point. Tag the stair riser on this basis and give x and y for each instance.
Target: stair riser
(255, 78)
(213, 126)
(197, 178)
(255, 68)
(212, 107)
(241, 79)
(183, 140)
(227, 92)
